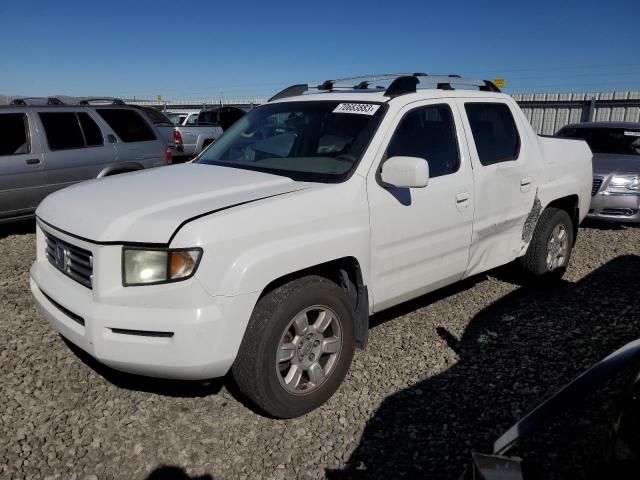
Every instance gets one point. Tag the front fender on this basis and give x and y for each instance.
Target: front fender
(254, 269)
(249, 246)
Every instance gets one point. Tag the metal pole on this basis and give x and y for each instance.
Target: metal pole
(592, 109)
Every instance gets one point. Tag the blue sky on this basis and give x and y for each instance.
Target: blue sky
(204, 49)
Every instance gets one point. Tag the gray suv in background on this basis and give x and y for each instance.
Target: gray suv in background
(616, 168)
(44, 148)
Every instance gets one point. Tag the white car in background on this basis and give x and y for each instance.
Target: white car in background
(194, 136)
(183, 118)
(266, 256)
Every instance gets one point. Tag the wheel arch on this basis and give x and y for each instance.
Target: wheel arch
(571, 205)
(203, 141)
(346, 273)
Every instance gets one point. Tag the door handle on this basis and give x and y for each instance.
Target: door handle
(462, 197)
(525, 181)
(32, 161)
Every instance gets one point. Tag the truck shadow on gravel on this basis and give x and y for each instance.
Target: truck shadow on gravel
(601, 225)
(20, 227)
(174, 473)
(513, 355)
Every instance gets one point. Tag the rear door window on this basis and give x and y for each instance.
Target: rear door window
(14, 134)
(62, 130)
(128, 124)
(209, 118)
(494, 132)
(92, 133)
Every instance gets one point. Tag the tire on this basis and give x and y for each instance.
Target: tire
(536, 262)
(275, 364)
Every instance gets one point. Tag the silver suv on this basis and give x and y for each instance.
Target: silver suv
(44, 148)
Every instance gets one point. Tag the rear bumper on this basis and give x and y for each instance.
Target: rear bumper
(615, 207)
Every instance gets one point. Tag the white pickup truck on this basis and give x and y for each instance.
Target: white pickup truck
(266, 256)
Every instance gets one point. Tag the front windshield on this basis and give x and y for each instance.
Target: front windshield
(620, 141)
(317, 141)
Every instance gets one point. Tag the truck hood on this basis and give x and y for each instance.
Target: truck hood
(605, 163)
(149, 206)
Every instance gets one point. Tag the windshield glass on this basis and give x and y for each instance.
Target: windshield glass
(318, 141)
(157, 117)
(620, 141)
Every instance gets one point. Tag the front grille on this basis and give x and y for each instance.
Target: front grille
(597, 183)
(73, 261)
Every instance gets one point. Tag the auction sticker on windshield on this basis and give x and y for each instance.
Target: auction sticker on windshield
(629, 134)
(360, 108)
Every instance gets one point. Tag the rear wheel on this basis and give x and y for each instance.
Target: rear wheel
(551, 245)
(297, 347)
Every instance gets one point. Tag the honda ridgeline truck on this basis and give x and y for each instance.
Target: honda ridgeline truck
(266, 255)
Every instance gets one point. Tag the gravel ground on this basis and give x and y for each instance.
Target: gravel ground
(442, 376)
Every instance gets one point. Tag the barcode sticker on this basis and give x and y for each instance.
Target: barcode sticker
(632, 133)
(359, 108)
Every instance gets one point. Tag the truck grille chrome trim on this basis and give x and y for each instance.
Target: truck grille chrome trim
(74, 262)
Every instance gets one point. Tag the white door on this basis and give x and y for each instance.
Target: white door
(505, 181)
(420, 237)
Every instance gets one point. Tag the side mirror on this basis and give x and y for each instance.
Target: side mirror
(405, 172)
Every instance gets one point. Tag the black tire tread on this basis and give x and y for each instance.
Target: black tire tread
(534, 261)
(248, 361)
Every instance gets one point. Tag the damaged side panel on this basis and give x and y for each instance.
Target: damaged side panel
(497, 240)
(531, 222)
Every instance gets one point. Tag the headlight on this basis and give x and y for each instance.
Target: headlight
(151, 266)
(629, 181)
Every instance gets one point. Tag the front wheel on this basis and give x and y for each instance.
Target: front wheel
(550, 248)
(297, 347)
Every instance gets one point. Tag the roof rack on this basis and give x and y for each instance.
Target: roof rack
(23, 100)
(338, 84)
(114, 101)
(409, 83)
(401, 84)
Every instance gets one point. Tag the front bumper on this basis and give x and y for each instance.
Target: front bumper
(615, 207)
(168, 331)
